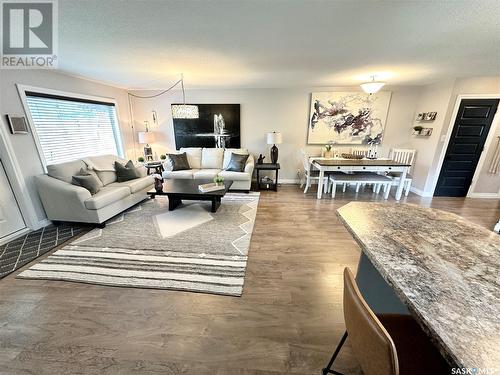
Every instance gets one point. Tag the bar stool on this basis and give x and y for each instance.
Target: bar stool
(385, 344)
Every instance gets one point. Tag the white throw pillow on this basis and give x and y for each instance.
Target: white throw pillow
(229, 151)
(211, 158)
(104, 166)
(193, 155)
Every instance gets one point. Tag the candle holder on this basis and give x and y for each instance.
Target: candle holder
(372, 152)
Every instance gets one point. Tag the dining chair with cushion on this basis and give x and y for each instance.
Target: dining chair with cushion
(385, 344)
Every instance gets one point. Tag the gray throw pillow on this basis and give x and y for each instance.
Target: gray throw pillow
(237, 162)
(179, 161)
(87, 181)
(126, 172)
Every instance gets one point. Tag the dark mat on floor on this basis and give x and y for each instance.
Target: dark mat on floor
(22, 250)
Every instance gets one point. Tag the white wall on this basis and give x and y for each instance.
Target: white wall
(265, 110)
(434, 98)
(24, 146)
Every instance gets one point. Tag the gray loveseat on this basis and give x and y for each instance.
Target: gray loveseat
(63, 201)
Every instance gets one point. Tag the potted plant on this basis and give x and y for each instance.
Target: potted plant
(140, 159)
(328, 151)
(219, 180)
(163, 157)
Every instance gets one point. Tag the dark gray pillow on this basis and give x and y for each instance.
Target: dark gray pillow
(179, 161)
(87, 181)
(237, 162)
(126, 172)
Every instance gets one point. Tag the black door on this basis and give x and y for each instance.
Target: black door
(466, 144)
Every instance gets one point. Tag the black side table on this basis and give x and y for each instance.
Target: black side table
(157, 167)
(267, 167)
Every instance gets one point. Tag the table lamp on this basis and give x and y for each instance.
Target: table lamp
(274, 139)
(147, 138)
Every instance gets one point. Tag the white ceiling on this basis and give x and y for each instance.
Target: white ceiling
(277, 43)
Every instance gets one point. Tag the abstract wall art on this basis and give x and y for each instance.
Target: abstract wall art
(218, 125)
(348, 117)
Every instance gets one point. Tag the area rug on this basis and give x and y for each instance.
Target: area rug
(24, 249)
(149, 246)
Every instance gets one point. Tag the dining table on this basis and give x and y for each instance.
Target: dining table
(379, 165)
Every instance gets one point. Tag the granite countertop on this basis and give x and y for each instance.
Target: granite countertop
(443, 267)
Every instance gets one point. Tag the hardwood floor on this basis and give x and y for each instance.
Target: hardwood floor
(288, 320)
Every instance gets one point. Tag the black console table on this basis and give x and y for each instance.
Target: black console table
(267, 167)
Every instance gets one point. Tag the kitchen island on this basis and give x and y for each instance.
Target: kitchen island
(443, 269)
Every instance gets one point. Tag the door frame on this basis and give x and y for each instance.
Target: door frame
(488, 142)
(18, 184)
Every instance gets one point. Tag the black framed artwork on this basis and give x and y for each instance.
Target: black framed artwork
(218, 125)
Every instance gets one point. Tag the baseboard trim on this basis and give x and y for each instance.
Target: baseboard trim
(42, 223)
(425, 194)
(288, 181)
(484, 195)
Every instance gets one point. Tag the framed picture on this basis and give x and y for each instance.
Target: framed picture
(430, 116)
(420, 116)
(17, 124)
(218, 125)
(353, 118)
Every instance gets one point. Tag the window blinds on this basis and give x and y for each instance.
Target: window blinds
(70, 129)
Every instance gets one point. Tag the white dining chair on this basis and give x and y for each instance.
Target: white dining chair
(310, 174)
(407, 156)
(359, 151)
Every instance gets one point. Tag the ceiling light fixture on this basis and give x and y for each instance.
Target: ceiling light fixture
(188, 111)
(373, 86)
(184, 111)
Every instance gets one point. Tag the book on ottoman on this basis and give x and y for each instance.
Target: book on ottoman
(206, 188)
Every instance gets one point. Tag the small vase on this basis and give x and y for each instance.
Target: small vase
(328, 154)
(158, 184)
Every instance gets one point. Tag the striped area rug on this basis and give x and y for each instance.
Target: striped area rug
(142, 269)
(191, 250)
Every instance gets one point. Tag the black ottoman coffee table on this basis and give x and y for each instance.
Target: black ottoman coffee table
(177, 190)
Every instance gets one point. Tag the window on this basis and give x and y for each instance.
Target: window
(72, 128)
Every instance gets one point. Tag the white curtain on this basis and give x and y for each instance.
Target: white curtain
(495, 162)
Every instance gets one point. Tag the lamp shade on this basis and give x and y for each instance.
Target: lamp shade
(274, 138)
(185, 111)
(146, 137)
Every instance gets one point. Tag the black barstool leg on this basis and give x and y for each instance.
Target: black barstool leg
(327, 369)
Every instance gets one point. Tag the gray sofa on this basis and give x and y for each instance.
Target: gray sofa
(206, 163)
(63, 201)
